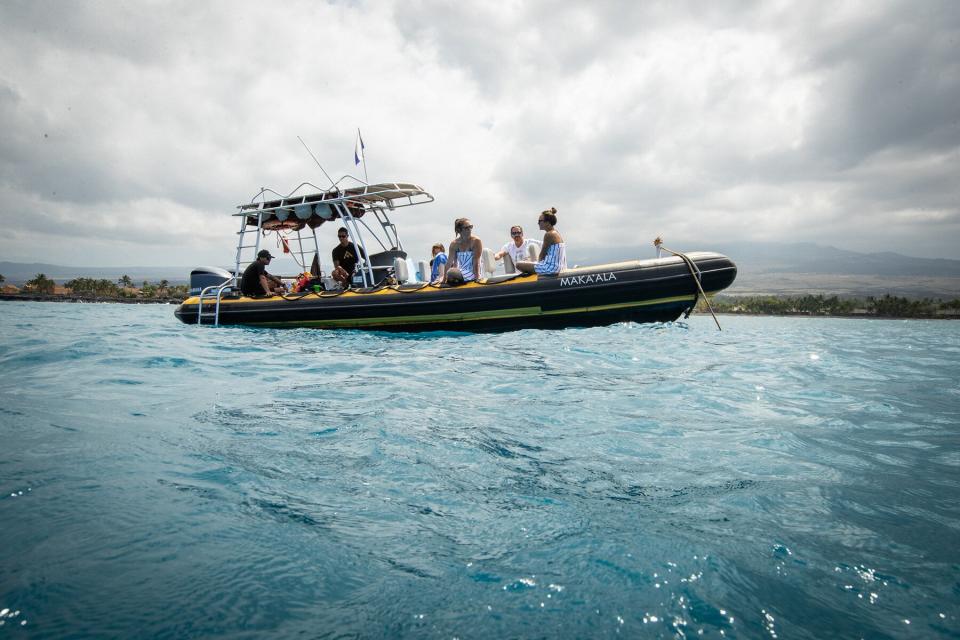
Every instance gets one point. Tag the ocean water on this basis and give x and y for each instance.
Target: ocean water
(784, 478)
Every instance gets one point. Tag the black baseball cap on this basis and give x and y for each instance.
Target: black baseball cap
(264, 254)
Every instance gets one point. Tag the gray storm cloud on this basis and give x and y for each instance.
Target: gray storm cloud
(132, 130)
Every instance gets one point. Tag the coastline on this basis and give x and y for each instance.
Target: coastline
(834, 306)
(40, 297)
(35, 297)
(844, 316)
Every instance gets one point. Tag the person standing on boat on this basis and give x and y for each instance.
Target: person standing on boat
(256, 281)
(553, 255)
(345, 258)
(438, 265)
(518, 249)
(465, 253)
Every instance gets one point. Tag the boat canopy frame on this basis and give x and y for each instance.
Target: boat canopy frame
(309, 207)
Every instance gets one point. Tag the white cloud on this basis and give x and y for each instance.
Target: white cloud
(147, 123)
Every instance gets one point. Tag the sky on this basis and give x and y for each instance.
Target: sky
(132, 130)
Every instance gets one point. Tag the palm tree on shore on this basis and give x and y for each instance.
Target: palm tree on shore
(42, 284)
(125, 281)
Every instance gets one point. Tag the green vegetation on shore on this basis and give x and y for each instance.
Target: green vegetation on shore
(125, 288)
(42, 284)
(99, 289)
(818, 305)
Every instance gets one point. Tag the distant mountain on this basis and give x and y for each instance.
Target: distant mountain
(814, 258)
(799, 257)
(19, 272)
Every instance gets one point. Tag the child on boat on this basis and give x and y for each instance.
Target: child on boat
(438, 264)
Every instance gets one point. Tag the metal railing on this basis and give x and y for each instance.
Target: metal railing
(228, 284)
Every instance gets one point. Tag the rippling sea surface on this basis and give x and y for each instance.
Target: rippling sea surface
(787, 477)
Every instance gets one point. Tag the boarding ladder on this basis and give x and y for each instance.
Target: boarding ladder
(210, 295)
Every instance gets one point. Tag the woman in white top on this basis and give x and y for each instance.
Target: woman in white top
(518, 249)
(553, 255)
(464, 254)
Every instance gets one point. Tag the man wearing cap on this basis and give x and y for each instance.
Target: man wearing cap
(256, 281)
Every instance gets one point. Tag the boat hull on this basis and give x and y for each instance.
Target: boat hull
(639, 291)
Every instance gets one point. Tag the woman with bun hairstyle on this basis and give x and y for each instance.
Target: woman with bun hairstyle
(553, 254)
(464, 253)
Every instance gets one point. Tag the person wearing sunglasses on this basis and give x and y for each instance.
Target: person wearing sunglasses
(553, 254)
(464, 253)
(345, 258)
(517, 250)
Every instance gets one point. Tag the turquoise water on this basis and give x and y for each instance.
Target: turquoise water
(788, 477)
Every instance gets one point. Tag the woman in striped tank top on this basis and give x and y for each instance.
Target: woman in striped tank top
(464, 254)
(553, 254)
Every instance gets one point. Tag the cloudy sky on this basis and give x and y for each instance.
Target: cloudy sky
(131, 130)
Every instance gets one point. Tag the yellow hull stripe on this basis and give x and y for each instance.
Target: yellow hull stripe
(346, 295)
(499, 314)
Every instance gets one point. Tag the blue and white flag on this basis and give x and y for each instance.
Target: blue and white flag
(358, 150)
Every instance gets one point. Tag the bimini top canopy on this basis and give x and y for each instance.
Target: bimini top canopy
(313, 209)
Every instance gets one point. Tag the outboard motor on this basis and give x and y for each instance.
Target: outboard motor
(203, 277)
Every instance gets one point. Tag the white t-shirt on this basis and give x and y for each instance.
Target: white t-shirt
(520, 253)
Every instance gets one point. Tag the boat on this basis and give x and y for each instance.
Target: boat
(387, 296)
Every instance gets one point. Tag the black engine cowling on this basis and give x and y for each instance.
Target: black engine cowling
(203, 277)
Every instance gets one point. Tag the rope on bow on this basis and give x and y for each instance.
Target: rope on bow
(694, 272)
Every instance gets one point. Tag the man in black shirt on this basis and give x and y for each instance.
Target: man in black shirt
(256, 281)
(345, 257)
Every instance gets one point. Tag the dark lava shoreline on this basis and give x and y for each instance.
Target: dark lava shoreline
(41, 297)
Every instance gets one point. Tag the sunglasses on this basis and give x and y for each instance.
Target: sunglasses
(339, 236)
(467, 226)
(516, 233)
